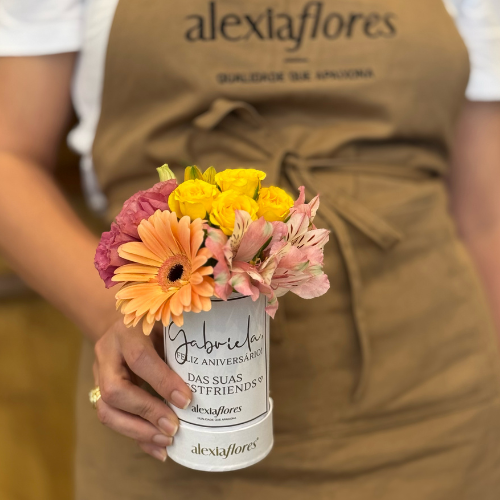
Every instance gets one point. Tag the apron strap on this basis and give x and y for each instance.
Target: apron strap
(372, 225)
(340, 207)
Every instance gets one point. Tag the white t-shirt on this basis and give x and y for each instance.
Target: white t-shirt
(37, 27)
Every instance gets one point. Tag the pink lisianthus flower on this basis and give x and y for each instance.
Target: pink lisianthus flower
(143, 205)
(140, 206)
(292, 259)
(106, 256)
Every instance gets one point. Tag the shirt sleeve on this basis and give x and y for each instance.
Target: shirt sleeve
(479, 24)
(39, 27)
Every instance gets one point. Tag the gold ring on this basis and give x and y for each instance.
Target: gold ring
(94, 396)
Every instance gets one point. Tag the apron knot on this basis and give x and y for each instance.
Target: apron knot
(242, 124)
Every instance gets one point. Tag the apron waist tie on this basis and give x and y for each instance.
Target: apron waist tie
(240, 121)
(339, 208)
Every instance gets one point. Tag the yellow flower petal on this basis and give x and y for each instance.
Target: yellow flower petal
(178, 320)
(139, 249)
(184, 235)
(196, 278)
(206, 303)
(205, 271)
(153, 243)
(198, 262)
(204, 289)
(147, 326)
(137, 269)
(132, 291)
(165, 314)
(176, 305)
(184, 295)
(133, 277)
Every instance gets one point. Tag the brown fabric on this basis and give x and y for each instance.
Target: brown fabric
(400, 110)
(388, 385)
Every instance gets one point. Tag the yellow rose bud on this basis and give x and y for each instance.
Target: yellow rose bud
(274, 204)
(209, 175)
(242, 180)
(193, 198)
(225, 204)
(192, 172)
(165, 173)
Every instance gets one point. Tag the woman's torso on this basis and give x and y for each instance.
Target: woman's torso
(359, 100)
(412, 51)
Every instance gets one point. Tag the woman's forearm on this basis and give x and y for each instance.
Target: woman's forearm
(475, 192)
(485, 252)
(40, 236)
(49, 247)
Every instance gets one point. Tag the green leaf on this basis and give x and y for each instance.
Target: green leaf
(209, 175)
(192, 173)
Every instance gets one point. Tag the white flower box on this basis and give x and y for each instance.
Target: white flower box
(223, 355)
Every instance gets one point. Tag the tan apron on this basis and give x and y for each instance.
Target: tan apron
(387, 386)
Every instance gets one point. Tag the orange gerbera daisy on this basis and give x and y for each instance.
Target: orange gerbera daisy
(167, 276)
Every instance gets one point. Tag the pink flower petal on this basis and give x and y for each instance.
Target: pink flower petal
(312, 288)
(302, 197)
(314, 238)
(241, 283)
(297, 226)
(280, 230)
(242, 221)
(255, 237)
(293, 259)
(215, 242)
(106, 257)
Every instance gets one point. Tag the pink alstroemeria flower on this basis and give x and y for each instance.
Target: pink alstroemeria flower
(292, 260)
(235, 254)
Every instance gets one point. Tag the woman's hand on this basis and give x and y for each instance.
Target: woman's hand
(124, 358)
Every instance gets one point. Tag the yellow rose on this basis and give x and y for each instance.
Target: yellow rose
(242, 180)
(274, 204)
(225, 204)
(193, 198)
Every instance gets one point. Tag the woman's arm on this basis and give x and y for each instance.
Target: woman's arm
(53, 251)
(40, 236)
(475, 192)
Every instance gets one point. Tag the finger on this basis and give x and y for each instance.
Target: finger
(156, 337)
(143, 360)
(95, 370)
(155, 451)
(118, 391)
(130, 425)
(126, 396)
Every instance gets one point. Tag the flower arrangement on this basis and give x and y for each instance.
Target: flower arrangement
(176, 245)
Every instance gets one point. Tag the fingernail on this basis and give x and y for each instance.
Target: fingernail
(160, 454)
(162, 440)
(180, 400)
(167, 426)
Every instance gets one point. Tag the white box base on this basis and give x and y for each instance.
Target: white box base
(223, 449)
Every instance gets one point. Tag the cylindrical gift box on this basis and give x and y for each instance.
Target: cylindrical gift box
(223, 355)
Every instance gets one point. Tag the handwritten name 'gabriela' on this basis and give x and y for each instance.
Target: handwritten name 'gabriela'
(209, 346)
